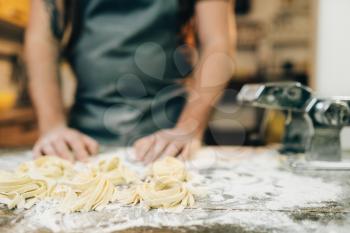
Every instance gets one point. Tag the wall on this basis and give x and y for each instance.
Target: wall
(332, 51)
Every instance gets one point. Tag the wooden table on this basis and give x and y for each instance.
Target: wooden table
(248, 190)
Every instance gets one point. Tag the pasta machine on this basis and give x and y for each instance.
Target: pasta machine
(290, 97)
(313, 125)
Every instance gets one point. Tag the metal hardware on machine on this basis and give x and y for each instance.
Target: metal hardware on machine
(279, 95)
(290, 97)
(328, 116)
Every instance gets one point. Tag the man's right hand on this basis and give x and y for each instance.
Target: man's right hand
(66, 143)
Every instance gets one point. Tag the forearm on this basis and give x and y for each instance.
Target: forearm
(42, 55)
(210, 79)
(217, 36)
(42, 65)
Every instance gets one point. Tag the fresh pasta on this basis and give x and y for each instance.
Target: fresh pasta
(21, 191)
(169, 167)
(95, 186)
(168, 193)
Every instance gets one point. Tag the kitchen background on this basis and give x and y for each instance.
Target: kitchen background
(301, 40)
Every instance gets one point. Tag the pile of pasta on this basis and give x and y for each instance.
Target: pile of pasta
(165, 187)
(108, 180)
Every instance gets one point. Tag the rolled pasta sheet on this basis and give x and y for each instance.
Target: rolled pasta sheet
(21, 191)
(169, 167)
(113, 170)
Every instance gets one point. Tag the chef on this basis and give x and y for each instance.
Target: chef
(140, 82)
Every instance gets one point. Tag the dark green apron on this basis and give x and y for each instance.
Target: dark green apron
(123, 58)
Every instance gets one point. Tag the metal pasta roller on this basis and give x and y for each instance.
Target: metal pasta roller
(313, 126)
(290, 97)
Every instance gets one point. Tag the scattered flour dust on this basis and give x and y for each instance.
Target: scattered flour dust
(239, 191)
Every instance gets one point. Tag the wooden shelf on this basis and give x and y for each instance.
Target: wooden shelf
(10, 31)
(18, 128)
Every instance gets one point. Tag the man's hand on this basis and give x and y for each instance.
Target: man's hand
(174, 142)
(66, 143)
